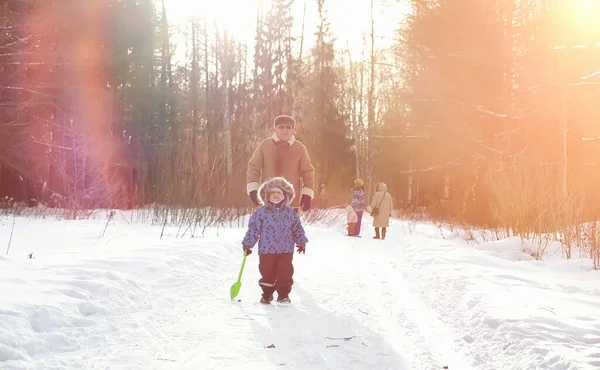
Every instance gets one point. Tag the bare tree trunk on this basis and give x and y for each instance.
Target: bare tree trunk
(447, 183)
(409, 185)
(241, 74)
(207, 89)
(371, 99)
(194, 130)
(410, 176)
(302, 34)
(564, 137)
(361, 113)
(244, 74)
(255, 73)
(354, 124)
(194, 85)
(164, 53)
(226, 122)
(509, 67)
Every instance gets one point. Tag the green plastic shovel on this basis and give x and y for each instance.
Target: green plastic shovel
(235, 288)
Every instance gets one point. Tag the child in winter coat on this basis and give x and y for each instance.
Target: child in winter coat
(358, 200)
(351, 218)
(277, 228)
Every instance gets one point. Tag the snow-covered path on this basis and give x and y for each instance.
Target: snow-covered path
(130, 300)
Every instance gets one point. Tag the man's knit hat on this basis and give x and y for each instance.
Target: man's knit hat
(284, 119)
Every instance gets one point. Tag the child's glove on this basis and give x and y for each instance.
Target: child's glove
(301, 248)
(247, 249)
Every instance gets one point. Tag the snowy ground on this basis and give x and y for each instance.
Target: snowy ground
(130, 300)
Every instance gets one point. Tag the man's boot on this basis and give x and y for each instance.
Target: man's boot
(376, 233)
(383, 231)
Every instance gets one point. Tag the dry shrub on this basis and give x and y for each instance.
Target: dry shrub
(520, 199)
(526, 201)
(590, 242)
(529, 202)
(329, 217)
(566, 217)
(536, 245)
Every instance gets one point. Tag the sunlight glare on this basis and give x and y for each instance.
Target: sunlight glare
(235, 15)
(239, 16)
(584, 13)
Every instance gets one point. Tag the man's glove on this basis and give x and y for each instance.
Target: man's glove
(247, 249)
(305, 202)
(301, 248)
(254, 197)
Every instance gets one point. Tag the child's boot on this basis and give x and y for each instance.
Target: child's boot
(383, 231)
(376, 233)
(351, 228)
(285, 300)
(266, 298)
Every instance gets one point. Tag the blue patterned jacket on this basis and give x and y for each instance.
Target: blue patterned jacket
(276, 228)
(358, 200)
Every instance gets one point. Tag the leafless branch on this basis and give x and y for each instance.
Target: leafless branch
(37, 141)
(23, 89)
(401, 136)
(454, 162)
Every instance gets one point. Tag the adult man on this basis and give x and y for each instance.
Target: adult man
(282, 155)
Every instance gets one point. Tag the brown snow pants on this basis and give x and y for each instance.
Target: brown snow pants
(277, 271)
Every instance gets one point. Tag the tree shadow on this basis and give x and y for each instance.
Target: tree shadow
(305, 336)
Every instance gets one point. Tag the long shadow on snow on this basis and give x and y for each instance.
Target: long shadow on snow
(308, 337)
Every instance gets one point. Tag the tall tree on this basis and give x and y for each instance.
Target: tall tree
(274, 63)
(322, 125)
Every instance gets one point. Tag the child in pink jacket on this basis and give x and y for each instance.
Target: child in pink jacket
(351, 219)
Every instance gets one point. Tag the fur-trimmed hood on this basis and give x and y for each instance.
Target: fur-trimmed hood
(276, 182)
(381, 186)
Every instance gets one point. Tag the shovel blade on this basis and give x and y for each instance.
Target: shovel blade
(235, 289)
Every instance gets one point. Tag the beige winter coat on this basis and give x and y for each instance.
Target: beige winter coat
(385, 209)
(296, 167)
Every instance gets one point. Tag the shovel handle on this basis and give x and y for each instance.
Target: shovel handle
(242, 268)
